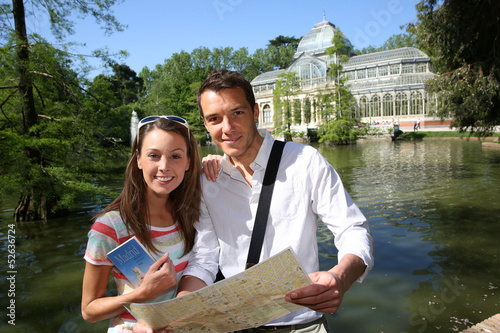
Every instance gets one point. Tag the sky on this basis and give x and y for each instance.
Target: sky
(159, 28)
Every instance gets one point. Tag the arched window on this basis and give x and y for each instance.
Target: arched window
(416, 103)
(388, 105)
(266, 111)
(375, 106)
(309, 71)
(363, 107)
(401, 104)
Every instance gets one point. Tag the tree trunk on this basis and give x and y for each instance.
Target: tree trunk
(29, 208)
(23, 55)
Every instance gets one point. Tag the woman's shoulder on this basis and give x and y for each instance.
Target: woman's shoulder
(111, 220)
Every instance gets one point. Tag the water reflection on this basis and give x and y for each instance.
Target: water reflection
(433, 207)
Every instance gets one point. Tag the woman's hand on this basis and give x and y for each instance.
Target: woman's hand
(142, 327)
(211, 165)
(96, 306)
(160, 277)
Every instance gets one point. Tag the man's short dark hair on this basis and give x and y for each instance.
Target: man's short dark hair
(221, 79)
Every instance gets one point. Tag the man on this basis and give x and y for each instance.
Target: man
(307, 188)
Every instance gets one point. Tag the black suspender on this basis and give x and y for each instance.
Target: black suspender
(266, 194)
(261, 217)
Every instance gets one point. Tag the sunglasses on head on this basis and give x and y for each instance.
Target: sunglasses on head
(150, 119)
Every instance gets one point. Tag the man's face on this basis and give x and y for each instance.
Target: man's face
(230, 120)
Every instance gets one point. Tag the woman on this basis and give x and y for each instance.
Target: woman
(159, 204)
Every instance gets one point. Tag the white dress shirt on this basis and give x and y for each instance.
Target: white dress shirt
(307, 190)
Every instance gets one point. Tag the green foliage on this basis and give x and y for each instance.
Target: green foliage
(281, 50)
(52, 132)
(471, 97)
(285, 41)
(440, 134)
(340, 131)
(126, 84)
(337, 103)
(371, 131)
(281, 57)
(396, 41)
(461, 36)
(340, 97)
(60, 13)
(286, 88)
(340, 48)
(58, 131)
(171, 88)
(112, 104)
(68, 157)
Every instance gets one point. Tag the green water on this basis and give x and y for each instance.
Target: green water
(433, 207)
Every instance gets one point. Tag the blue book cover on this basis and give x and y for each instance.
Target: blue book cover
(132, 259)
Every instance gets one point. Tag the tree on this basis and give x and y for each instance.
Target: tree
(285, 41)
(127, 84)
(340, 51)
(281, 50)
(259, 63)
(338, 123)
(113, 102)
(241, 59)
(222, 57)
(173, 86)
(281, 57)
(463, 38)
(396, 41)
(287, 87)
(42, 176)
(341, 131)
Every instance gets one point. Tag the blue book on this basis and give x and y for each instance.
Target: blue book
(132, 259)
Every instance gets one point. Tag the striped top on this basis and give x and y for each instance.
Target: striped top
(108, 232)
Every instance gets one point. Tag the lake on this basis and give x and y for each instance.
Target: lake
(433, 208)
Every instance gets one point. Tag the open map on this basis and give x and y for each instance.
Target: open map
(249, 299)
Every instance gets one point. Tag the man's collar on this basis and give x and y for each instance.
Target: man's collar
(265, 148)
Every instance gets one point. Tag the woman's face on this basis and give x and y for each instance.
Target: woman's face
(163, 161)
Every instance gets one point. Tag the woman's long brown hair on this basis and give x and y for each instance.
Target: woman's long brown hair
(132, 201)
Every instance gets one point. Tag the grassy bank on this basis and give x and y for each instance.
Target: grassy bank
(438, 134)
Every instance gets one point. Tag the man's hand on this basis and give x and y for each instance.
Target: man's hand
(323, 295)
(328, 288)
